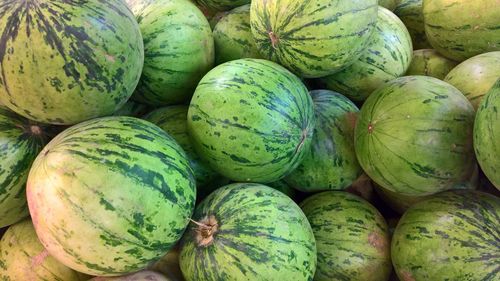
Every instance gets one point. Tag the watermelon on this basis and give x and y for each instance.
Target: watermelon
(313, 38)
(351, 236)
(22, 257)
(251, 120)
(487, 134)
(388, 4)
(111, 195)
(387, 56)
(168, 265)
(429, 62)
(410, 12)
(138, 276)
(452, 236)
(460, 29)
(22, 140)
(178, 50)
(475, 76)
(233, 37)
(284, 187)
(331, 161)
(133, 109)
(221, 5)
(213, 20)
(248, 231)
(63, 62)
(414, 136)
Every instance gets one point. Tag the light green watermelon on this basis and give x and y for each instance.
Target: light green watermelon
(410, 12)
(428, 62)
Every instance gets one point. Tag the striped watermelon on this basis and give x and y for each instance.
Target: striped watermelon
(21, 141)
(387, 56)
(460, 29)
(221, 5)
(487, 134)
(410, 12)
(351, 236)
(452, 236)
(251, 120)
(429, 62)
(133, 109)
(248, 232)
(475, 76)
(414, 136)
(313, 38)
(63, 62)
(331, 161)
(138, 276)
(178, 50)
(110, 195)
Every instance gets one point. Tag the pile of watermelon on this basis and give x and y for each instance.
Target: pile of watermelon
(250, 140)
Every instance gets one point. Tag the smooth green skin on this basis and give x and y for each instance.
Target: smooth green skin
(428, 62)
(233, 37)
(111, 195)
(330, 163)
(22, 257)
(414, 136)
(387, 57)
(460, 29)
(262, 235)
(487, 134)
(63, 62)
(139, 276)
(251, 120)
(19, 146)
(351, 236)
(388, 4)
(132, 109)
(475, 76)
(221, 5)
(313, 38)
(178, 49)
(410, 12)
(452, 236)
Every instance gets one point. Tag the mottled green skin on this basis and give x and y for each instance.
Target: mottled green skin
(475, 76)
(251, 120)
(19, 146)
(63, 62)
(428, 62)
(414, 136)
(139, 276)
(233, 37)
(178, 50)
(110, 195)
(452, 236)
(388, 4)
(387, 57)
(22, 257)
(460, 29)
(313, 38)
(221, 5)
(410, 12)
(331, 162)
(351, 236)
(132, 109)
(262, 235)
(173, 120)
(487, 134)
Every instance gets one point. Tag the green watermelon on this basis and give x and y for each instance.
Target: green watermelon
(178, 50)
(22, 257)
(387, 56)
(460, 29)
(388, 4)
(452, 236)
(63, 62)
(429, 62)
(168, 265)
(251, 120)
(475, 76)
(313, 38)
(487, 134)
(331, 161)
(414, 136)
(221, 5)
(138, 276)
(110, 195)
(133, 109)
(213, 20)
(233, 37)
(284, 187)
(248, 232)
(22, 140)
(351, 236)
(410, 12)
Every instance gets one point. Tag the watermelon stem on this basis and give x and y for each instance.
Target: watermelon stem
(274, 39)
(206, 230)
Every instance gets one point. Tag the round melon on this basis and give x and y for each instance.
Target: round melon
(387, 57)
(461, 29)
(251, 120)
(110, 195)
(313, 38)
(414, 136)
(248, 232)
(351, 235)
(63, 62)
(428, 62)
(144, 275)
(410, 12)
(452, 236)
(221, 5)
